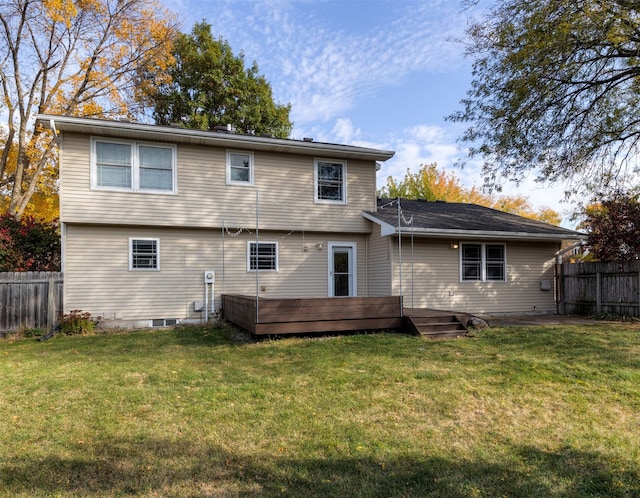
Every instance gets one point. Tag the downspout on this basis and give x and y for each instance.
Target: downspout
(63, 231)
(52, 126)
(56, 137)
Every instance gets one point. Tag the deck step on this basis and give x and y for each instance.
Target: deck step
(438, 326)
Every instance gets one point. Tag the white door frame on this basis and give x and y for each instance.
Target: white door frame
(353, 267)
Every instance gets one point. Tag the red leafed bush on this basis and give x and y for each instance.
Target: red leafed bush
(27, 244)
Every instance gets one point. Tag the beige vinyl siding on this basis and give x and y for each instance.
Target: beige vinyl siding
(436, 279)
(98, 279)
(285, 184)
(379, 277)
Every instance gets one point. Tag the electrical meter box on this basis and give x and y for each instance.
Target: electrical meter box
(209, 277)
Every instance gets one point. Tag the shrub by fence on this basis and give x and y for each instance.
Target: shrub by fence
(595, 288)
(30, 300)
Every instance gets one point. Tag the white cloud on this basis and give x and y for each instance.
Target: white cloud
(322, 70)
(426, 144)
(345, 132)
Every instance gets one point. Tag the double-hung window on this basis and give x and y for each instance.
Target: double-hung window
(114, 164)
(133, 166)
(239, 168)
(483, 263)
(144, 254)
(330, 181)
(262, 256)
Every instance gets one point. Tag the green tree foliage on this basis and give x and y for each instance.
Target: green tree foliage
(613, 227)
(71, 57)
(210, 87)
(556, 90)
(432, 184)
(27, 244)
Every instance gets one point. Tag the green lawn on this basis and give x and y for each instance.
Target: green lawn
(519, 411)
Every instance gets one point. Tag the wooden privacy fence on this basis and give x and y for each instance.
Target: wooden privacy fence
(595, 288)
(30, 300)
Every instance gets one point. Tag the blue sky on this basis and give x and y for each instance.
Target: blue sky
(375, 73)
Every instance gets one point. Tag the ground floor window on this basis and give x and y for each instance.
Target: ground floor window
(144, 254)
(483, 263)
(262, 256)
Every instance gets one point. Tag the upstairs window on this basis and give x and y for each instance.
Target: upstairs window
(144, 254)
(483, 263)
(262, 256)
(156, 168)
(330, 181)
(239, 168)
(133, 167)
(114, 164)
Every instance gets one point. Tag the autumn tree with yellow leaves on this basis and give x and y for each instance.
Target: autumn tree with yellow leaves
(71, 57)
(432, 184)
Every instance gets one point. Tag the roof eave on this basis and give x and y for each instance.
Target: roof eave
(387, 229)
(221, 139)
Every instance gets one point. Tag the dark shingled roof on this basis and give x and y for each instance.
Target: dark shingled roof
(433, 216)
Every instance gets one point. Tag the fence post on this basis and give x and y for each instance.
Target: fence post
(560, 309)
(598, 293)
(51, 303)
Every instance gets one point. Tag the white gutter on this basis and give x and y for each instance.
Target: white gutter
(386, 229)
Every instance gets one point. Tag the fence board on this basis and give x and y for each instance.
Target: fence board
(591, 288)
(25, 300)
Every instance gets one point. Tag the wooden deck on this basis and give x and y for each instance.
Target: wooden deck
(300, 316)
(343, 314)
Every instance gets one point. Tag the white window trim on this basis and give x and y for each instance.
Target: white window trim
(353, 291)
(483, 262)
(249, 243)
(251, 168)
(135, 167)
(316, 199)
(131, 268)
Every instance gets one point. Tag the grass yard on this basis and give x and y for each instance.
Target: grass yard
(518, 411)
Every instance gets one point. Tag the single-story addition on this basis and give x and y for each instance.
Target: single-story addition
(463, 257)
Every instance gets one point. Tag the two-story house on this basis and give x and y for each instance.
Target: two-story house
(146, 210)
(159, 222)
